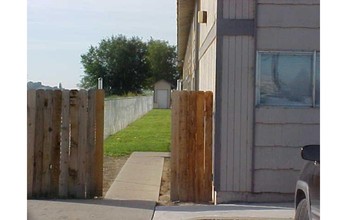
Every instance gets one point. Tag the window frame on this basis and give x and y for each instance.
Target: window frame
(313, 74)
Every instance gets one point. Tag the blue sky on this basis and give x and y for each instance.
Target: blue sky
(59, 31)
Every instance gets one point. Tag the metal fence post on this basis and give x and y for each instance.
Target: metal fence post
(99, 83)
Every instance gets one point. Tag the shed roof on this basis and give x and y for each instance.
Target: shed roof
(162, 80)
(185, 12)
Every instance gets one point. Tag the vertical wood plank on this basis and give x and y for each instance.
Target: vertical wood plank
(65, 140)
(174, 196)
(38, 145)
(82, 143)
(91, 141)
(207, 196)
(192, 134)
(47, 143)
(59, 157)
(73, 154)
(191, 151)
(183, 146)
(199, 147)
(99, 151)
(31, 113)
(55, 150)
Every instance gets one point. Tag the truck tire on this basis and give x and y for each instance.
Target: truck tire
(301, 212)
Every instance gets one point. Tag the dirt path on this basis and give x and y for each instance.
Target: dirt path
(164, 195)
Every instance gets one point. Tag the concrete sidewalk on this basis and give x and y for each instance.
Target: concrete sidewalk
(140, 177)
(257, 211)
(133, 195)
(97, 209)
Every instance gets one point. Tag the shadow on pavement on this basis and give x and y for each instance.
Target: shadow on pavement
(225, 207)
(139, 204)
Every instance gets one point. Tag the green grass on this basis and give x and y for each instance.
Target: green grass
(152, 132)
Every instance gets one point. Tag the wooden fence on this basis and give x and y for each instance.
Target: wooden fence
(65, 143)
(191, 146)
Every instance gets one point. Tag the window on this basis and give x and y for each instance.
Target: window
(317, 81)
(288, 79)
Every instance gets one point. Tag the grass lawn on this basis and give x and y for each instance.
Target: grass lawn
(152, 132)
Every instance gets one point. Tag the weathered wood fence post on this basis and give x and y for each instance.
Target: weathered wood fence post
(191, 152)
(65, 143)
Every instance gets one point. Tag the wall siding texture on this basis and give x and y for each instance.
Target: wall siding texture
(207, 47)
(284, 25)
(188, 63)
(266, 169)
(236, 107)
(211, 7)
(288, 25)
(237, 112)
(279, 135)
(207, 67)
(257, 150)
(238, 9)
(189, 67)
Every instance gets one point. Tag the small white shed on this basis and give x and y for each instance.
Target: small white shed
(162, 94)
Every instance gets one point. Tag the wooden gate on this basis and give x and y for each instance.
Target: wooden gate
(191, 146)
(65, 143)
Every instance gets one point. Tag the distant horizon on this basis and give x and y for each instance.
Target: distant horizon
(76, 87)
(44, 84)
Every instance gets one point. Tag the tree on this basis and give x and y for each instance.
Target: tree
(162, 62)
(120, 62)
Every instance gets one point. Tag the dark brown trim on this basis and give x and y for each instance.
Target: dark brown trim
(234, 27)
(218, 96)
(254, 90)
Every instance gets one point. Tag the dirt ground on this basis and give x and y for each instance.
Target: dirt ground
(164, 194)
(112, 166)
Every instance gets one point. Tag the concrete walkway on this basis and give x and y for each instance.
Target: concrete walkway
(133, 195)
(260, 211)
(98, 209)
(139, 178)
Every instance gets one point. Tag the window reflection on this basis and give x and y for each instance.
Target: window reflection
(317, 86)
(286, 79)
